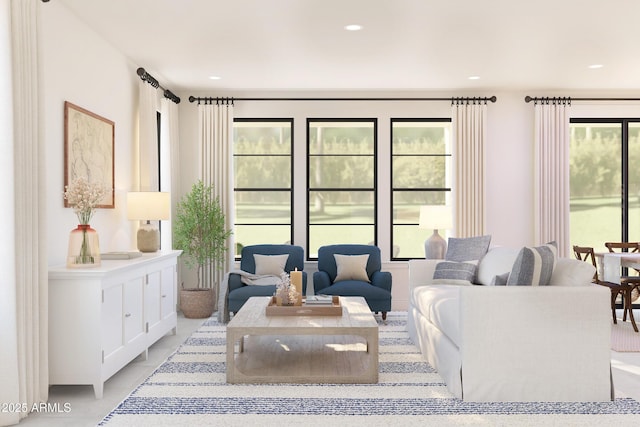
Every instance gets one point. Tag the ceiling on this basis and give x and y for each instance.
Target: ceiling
(403, 45)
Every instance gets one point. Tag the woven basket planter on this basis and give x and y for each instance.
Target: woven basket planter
(196, 303)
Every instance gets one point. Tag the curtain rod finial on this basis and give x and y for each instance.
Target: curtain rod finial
(192, 98)
(528, 98)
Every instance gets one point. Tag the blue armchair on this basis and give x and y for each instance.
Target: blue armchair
(239, 293)
(377, 293)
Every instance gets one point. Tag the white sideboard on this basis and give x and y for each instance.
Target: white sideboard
(103, 317)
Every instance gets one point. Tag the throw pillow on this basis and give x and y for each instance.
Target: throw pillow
(352, 267)
(270, 264)
(454, 273)
(571, 272)
(500, 279)
(467, 249)
(533, 266)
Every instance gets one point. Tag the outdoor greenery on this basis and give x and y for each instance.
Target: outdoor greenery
(199, 229)
(595, 154)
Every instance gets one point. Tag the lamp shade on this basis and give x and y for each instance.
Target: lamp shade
(148, 205)
(436, 217)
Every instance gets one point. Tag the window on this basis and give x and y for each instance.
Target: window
(421, 175)
(263, 167)
(341, 177)
(605, 191)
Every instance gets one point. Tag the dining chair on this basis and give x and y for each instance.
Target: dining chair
(586, 253)
(628, 247)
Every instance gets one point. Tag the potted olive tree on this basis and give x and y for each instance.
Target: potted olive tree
(199, 231)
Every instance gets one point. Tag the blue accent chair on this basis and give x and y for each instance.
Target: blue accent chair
(377, 293)
(239, 293)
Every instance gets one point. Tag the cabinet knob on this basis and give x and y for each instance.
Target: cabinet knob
(127, 315)
(164, 296)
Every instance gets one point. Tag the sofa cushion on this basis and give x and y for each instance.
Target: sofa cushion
(270, 264)
(351, 267)
(533, 266)
(496, 262)
(440, 304)
(454, 273)
(571, 272)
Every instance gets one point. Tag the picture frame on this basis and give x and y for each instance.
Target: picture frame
(89, 150)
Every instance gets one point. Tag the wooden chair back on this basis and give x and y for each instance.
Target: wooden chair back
(586, 253)
(630, 247)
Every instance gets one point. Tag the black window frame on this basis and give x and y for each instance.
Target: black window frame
(236, 189)
(374, 189)
(417, 189)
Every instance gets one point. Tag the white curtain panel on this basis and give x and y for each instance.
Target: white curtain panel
(216, 144)
(24, 372)
(10, 390)
(147, 137)
(469, 133)
(551, 179)
(170, 176)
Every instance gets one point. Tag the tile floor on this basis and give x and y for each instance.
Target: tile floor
(86, 410)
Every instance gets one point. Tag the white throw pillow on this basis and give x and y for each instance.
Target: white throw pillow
(270, 264)
(497, 261)
(571, 272)
(352, 267)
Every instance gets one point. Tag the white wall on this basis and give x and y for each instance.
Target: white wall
(78, 66)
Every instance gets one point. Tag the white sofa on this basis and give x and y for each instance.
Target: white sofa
(515, 343)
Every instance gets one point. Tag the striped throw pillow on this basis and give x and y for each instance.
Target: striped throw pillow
(533, 266)
(454, 273)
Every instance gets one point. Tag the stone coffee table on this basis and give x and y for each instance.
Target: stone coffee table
(303, 349)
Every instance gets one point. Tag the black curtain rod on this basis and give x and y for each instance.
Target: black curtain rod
(453, 100)
(568, 100)
(146, 77)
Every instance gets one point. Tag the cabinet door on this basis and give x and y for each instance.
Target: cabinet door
(112, 317)
(168, 291)
(152, 299)
(133, 309)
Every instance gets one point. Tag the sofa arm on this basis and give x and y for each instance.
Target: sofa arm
(321, 280)
(562, 331)
(381, 279)
(235, 282)
(421, 272)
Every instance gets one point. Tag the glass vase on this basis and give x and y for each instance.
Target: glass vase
(84, 248)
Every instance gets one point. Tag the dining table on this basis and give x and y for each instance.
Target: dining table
(610, 266)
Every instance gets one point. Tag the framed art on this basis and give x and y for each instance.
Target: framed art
(89, 149)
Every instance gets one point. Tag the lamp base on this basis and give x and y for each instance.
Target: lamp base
(435, 247)
(148, 238)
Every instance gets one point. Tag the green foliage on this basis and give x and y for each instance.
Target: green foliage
(199, 229)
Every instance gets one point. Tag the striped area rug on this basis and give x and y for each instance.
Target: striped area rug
(189, 389)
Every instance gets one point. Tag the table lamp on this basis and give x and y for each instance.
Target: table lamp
(436, 217)
(148, 206)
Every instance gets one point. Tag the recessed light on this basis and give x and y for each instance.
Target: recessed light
(353, 27)
(215, 77)
(474, 78)
(595, 66)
